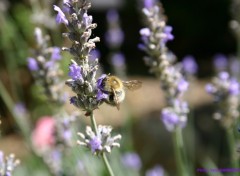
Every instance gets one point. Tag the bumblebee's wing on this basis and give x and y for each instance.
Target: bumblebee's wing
(132, 85)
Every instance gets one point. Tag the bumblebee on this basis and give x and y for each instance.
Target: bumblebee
(115, 88)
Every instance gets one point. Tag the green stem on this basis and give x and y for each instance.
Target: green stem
(179, 154)
(232, 147)
(93, 122)
(105, 160)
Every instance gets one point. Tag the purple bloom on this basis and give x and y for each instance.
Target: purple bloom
(149, 3)
(234, 87)
(112, 16)
(60, 18)
(75, 72)
(56, 53)
(189, 65)
(94, 54)
(156, 171)
(32, 64)
(114, 37)
(20, 109)
(118, 60)
(169, 118)
(49, 64)
(210, 88)
(73, 100)
(101, 95)
(95, 144)
(145, 32)
(131, 160)
(100, 80)
(87, 19)
(224, 76)
(220, 62)
(167, 31)
(142, 47)
(182, 85)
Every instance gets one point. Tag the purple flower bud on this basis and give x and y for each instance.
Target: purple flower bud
(182, 85)
(131, 160)
(49, 64)
(156, 171)
(149, 3)
(56, 53)
(20, 109)
(32, 64)
(118, 60)
(73, 100)
(170, 119)
(75, 72)
(94, 54)
(60, 18)
(220, 62)
(87, 19)
(95, 144)
(167, 31)
(189, 65)
(114, 37)
(145, 32)
(223, 76)
(112, 16)
(142, 46)
(101, 95)
(100, 80)
(234, 87)
(210, 88)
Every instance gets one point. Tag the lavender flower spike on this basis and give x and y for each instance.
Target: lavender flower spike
(154, 39)
(32, 64)
(225, 91)
(102, 142)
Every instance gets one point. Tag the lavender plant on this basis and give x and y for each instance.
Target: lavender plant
(89, 95)
(154, 38)
(161, 63)
(53, 136)
(44, 66)
(225, 91)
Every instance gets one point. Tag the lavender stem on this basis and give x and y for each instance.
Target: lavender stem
(178, 149)
(105, 160)
(232, 148)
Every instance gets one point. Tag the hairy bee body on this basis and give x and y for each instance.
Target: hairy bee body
(115, 88)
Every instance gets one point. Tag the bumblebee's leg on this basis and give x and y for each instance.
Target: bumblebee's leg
(116, 99)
